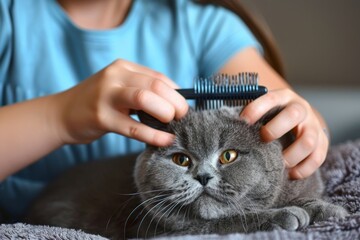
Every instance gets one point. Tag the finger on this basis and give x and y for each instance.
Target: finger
(256, 109)
(148, 71)
(292, 115)
(301, 148)
(149, 102)
(160, 88)
(309, 165)
(127, 126)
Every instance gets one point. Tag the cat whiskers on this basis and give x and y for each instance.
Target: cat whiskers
(149, 202)
(148, 205)
(181, 196)
(169, 212)
(190, 195)
(231, 200)
(168, 195)
(234, 203)
(185, 215)
(159, 210)
(118, 211)
(158, 204)
(145, 192)
(254, 210)
(228, 193)
(178, 212)
(281, 189)
(168, 209)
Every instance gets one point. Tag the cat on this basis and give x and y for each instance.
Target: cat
(217, 177)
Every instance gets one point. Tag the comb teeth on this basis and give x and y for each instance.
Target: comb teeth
(227, 90)
(221, 83)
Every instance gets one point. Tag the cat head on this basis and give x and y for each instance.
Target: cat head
(217, 166)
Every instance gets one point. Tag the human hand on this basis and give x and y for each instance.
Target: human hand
(309, 150)
(102, 104)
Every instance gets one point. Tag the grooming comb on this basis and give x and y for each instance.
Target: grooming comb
(216, 91)
(222, 89)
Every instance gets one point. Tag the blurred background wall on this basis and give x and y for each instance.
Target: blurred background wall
(320, 45)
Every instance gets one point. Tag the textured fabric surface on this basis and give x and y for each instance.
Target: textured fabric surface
(341, 172)
(28, 232)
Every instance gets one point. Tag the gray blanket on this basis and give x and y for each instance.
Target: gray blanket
(341, 172)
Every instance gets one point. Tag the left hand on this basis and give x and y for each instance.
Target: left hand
(309, 150)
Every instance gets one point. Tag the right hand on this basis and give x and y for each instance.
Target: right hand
(102, 104)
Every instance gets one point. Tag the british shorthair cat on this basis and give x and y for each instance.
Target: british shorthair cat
(217, 177)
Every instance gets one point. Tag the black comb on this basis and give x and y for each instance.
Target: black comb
(222, 89)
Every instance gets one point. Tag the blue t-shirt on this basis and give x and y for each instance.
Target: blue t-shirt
(43, 52)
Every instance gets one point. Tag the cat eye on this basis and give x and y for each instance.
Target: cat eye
(181, 159)
(228, 156)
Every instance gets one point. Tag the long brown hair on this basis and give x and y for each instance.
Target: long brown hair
(258, 28)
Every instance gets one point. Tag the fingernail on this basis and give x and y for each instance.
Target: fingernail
(286, 164)
(170, 139)
(245, 119)
(295, 175)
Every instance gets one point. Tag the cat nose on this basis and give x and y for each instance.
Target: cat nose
(203, 178)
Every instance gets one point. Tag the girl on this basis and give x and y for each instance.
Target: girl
(71, 70)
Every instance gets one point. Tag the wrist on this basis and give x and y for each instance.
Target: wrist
(54, 112)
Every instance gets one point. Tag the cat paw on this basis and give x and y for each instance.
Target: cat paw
(324, 213)
(288, 218)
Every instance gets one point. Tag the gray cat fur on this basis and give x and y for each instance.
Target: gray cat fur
(252, 193)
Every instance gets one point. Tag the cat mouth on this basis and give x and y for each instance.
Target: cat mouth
(207, 192)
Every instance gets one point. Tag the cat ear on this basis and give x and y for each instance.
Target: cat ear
(150, 121)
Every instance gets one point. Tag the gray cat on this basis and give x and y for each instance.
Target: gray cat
(217, 177)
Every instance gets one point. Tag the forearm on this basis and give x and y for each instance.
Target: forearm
(27, 133)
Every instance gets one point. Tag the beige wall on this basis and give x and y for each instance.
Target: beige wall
(320, 44)
(319, 39)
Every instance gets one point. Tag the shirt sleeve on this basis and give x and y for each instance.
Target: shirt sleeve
(5, 41)
(218, 35)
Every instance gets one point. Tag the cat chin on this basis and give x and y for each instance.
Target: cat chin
(206, 207)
